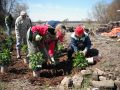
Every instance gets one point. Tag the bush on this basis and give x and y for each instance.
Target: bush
(36, 59)
(80, 61)
(5, 57)
(7, 43)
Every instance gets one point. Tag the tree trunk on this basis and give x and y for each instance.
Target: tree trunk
(2, 13)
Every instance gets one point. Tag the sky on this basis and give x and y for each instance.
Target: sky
(73, 10)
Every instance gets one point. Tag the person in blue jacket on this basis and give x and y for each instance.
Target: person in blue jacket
(53, 23)
(80, 42)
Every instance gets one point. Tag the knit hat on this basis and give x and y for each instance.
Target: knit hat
(23, 13)
(79, 30)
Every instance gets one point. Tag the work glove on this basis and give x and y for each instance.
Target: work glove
(84, 51)
(38, 37)
(52, 59)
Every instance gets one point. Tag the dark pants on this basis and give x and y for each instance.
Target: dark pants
(90, 53)
(70, 50)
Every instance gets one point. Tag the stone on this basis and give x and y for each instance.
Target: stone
(86, 72)
(95, 76)
(103, 84)
(117, 84)
(77, 80)
(100, 72)
(101, 78)
(67, 82)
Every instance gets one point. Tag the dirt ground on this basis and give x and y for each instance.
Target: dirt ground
(19, 76)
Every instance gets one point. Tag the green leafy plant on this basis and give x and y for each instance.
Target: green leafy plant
(5, 57)
(86, 82)
(24, 48)
(7, 43)
(36, 59)
(80, 61)
(59, 47)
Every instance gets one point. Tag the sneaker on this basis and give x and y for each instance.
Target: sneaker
(39, 67)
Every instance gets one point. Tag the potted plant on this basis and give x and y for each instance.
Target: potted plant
(80, 61)
(5, 59)
(35, 60)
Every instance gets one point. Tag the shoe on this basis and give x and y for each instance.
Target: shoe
(18, 57)
(39, 67)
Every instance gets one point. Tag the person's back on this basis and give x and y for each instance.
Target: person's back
(9, 22)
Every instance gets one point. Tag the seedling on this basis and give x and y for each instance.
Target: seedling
(5, 57)
(36, 59)
(80, 61)
(7, 43)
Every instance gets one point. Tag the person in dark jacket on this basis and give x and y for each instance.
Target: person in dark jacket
(80, 42)
(9, 22)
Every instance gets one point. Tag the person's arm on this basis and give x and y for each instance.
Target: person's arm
(51, 49)
(17, 28)
(74, 44)
(87, 43)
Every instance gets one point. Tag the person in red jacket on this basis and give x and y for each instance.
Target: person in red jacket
(59, 36)
(44, 38)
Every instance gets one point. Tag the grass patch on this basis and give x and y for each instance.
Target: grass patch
(86, 82)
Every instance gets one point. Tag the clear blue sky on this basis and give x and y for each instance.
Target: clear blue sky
(60, 9)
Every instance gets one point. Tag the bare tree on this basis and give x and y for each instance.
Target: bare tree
(104, 12)
(18, 8)
(112, 10)
(6, 6)
(100, 12)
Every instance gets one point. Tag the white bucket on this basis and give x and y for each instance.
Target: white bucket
(90, 60)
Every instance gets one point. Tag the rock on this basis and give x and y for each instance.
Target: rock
(88, 89)
(60, 87)
(86, 72)
(100, 72)
(67, 82)
(77, 80)
(95, 89)
(95, 76)
(111, 76)
(117, 84)
(103, 84)
(101, 78)
(118, 40)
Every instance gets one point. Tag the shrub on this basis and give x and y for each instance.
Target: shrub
(7, 43)
(80, 61)
(36, 59)
(5, 57)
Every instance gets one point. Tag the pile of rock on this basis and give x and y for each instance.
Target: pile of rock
(99, 80)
